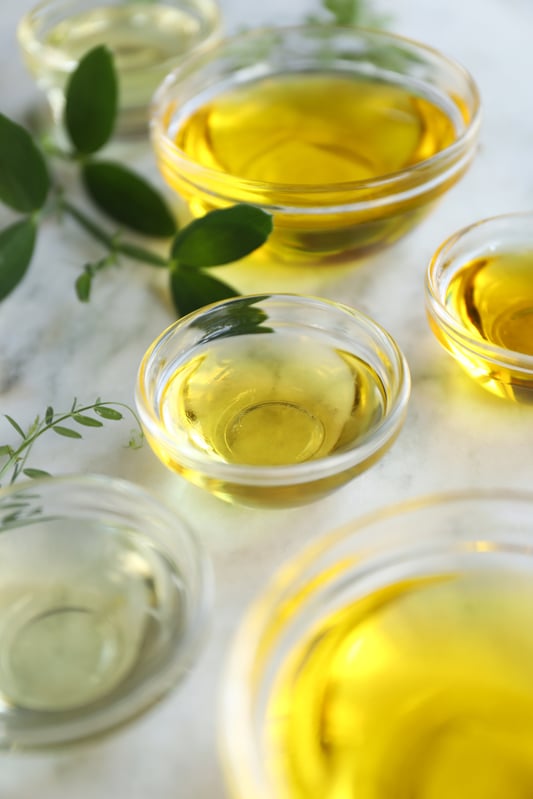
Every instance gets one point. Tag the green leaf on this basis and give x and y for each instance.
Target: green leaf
(17, 243)
(15, 425)
(191, 289)
(222, 236)
(92, 101)
(66, 431)
(83, 286)
(5, 449)
(108, 413)
(24, 179)
(34, 473)
(49, 415)
(88, 421)
(128, 198)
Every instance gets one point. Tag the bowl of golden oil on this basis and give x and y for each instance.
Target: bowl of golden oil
(104, 599)
(391, 659)
(272, 400)
(147, 39)
(479, 299)
(346, 136)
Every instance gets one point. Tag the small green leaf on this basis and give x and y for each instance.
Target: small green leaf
(17, 243)
(34, 473)
(108, 413)
(49, 415)
(88, 421)
(128, 198)
(92, 101)
(66, 431)
(15, 425)
(222, 236)
(192, 288)
(24, 179)
(83, 286)
(5, 449)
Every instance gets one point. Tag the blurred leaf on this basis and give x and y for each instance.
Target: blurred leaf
(92, 101)
(128, 198)
(88, 421)
(222, 236)
(15, 425)
(191, 289)
(108, 413)
(24, 179)
(66, 431)
(34, 473)
(17, 243)
(49, 415)
(5, 449)
(83, 286)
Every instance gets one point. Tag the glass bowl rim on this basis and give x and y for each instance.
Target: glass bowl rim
(305, 471)
(439, 161)
(519, 361)
(237, 744)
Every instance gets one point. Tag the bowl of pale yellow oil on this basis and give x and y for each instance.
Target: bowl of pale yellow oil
(479, 299)
(346, 136)
(392, 659)
(146, 38)
(104, 598)
(272, 400)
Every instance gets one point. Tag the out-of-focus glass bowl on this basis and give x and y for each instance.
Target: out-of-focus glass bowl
(103, 602)
(439, 591)
(340, 204)
(272, 400)
(479, 299)
(147, 39)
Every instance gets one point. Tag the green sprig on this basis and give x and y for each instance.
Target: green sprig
(13, 458)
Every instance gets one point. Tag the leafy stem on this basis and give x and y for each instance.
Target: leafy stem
(15, 457)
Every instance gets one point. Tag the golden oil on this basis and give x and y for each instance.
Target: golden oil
(492, 298)
(146, 39)
(420, 689)
(308, 131)
(271, 400)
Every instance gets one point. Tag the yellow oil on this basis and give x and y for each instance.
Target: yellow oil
(312, 130)
(492, 298)
(146, 38)
(422, 689)
(269, 400)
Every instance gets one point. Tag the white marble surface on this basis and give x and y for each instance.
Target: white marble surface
(456, 435)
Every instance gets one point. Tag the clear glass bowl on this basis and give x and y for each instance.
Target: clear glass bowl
(272, 399)
(443, 587)
(338, 206)
(147, 39)
(479, 300)
(104, 599)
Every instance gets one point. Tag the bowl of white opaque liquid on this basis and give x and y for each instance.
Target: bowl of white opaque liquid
(103, 599)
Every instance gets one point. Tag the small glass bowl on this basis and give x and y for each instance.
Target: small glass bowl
(104, 599)
(477, 545)
(479, 300)
(147, 39)
(317, 218)
(272, 400)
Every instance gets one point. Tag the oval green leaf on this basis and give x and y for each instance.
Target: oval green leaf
(92, 101)
(35, 473)
(17, 243)
(128, 198)
(24, 178)
(88, 421)
(222, 236)
(66, 431)
(191, 289)
(108, 413)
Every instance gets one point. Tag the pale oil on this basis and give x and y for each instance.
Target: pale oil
(313, 129)
(101, 609)
(270, 400)
(492, 298)
(421, 689)
(146, 39)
